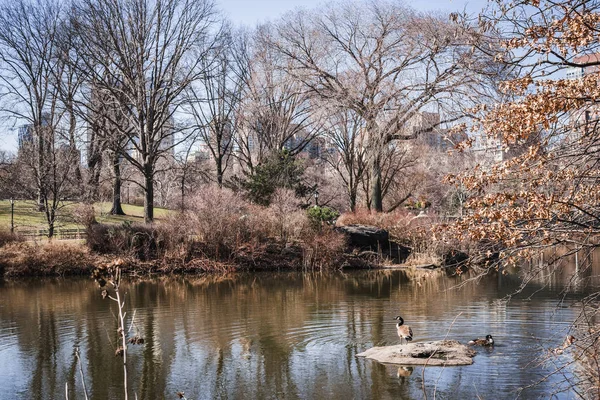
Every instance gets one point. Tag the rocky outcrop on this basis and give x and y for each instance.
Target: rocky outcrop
(365, 237)
(370, 240)
(438, 353)
(455, 258)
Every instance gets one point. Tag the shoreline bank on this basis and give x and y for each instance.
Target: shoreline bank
(56, 258)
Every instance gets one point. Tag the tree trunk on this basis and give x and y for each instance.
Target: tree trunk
(219, 161)
(376, 194)
(41, 167)
(73, 146)
(50, 217)
(352, 196)
(40, 199)
(93, 181)
(149, 194)
(117, 208)
(94, 166)
(183, 192)
(366, 188)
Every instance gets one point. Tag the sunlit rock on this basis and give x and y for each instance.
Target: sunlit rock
(438, 353)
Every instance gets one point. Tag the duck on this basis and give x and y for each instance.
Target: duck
(488, 341)
(404, 331)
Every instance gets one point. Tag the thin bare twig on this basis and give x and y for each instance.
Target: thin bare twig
(77, 356)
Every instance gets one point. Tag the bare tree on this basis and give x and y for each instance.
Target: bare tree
(15, 179)
(28, 62)
(276, 113)
(56, 180)
(144, 55)
(215, 99)
(190, 171)
(68, 82)
(94, 156)
(344, 132)
(382, 60)
(215, 102)
(36, 86)
(110, 123)
(396, 162)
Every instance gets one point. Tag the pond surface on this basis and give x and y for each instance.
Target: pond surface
(276, 336)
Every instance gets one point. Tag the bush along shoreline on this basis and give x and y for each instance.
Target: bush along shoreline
(223, 233)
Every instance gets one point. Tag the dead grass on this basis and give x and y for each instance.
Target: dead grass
(426, 258)
(389, 221)
(324, 249)
(50, 258)
(7, 237)
(224, 222)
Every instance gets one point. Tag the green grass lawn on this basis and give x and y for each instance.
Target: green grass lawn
(26, 216)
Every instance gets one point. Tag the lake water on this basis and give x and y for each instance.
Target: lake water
(277, 336)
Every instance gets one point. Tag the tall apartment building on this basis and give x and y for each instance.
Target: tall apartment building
(582, 120)
(580, 72)
(27, 135)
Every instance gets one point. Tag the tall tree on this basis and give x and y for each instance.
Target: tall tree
(276, 112)
(108, 134)
(28, 63)
(344, 131)
(382, 60)
(36, 86)
(145, 54)
(214, 101)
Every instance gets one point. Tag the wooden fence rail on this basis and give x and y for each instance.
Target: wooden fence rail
(72, 233)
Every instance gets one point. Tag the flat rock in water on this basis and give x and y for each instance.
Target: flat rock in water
(438, 353)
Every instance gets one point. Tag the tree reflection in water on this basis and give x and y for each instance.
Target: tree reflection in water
(284, 335)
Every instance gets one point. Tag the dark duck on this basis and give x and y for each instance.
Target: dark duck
(488, 341)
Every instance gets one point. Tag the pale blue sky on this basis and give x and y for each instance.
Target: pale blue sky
(253, 12)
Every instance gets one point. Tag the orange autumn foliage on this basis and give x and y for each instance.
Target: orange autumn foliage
(548, 191)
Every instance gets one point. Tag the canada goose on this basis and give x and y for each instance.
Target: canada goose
(404, 331)
(488, 341)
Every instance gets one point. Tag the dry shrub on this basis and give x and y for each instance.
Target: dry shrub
(393, 221)
(145, 242)
(288, 221)
(6, 236)
(420, 235)
(101, 238)
(426, 253)
(324, 249)
(84, 214)
(222, 220)
(177, 237)
(45, 259)
(585, 350)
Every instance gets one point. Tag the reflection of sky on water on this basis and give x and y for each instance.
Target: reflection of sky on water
(275, 336)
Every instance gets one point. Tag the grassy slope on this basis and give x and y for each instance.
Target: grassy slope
(26, 217)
